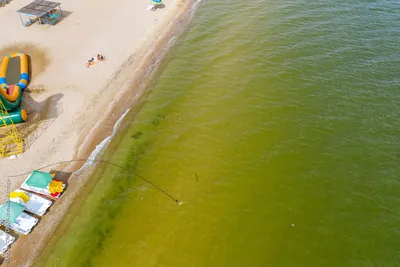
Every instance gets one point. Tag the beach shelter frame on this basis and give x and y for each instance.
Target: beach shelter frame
(38, 8)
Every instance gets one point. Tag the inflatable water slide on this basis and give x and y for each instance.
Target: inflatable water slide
(14, 77)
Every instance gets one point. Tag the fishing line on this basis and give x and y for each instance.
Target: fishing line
(107, 162)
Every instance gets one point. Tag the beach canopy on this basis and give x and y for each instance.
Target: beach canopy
(39, 8)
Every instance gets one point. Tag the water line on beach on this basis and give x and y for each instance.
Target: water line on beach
(195, 4)
(160, 56)
(102, 145)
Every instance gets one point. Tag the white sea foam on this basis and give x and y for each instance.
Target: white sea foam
(100, 147)
(160, 56)
(195, 4)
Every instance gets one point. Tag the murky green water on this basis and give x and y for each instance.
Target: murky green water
(277, 125)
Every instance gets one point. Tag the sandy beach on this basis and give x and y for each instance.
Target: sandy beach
(72, 108)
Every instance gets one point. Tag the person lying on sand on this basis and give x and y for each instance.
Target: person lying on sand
(100, 57)
(90, 62)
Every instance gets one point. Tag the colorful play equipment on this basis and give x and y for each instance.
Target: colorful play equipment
(11, 94)
(10, 139)
(14, 77)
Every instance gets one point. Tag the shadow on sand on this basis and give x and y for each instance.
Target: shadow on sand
(41, 116)
(160, 6)
(65, 14)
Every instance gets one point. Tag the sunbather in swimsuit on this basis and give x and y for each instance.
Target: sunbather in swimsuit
(100, 57)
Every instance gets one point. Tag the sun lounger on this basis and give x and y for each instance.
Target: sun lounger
(39, 182)
(5, 241)
(36, 204)
(20, 221)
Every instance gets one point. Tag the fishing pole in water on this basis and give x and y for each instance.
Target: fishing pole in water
(107, 162)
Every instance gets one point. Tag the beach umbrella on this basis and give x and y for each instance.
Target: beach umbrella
(157, 2)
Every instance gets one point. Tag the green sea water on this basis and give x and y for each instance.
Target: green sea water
(276, 124)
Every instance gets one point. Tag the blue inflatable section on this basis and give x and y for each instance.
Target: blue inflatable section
(24, 76)
(21, 85)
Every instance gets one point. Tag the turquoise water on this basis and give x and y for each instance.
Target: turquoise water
(276, 123)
